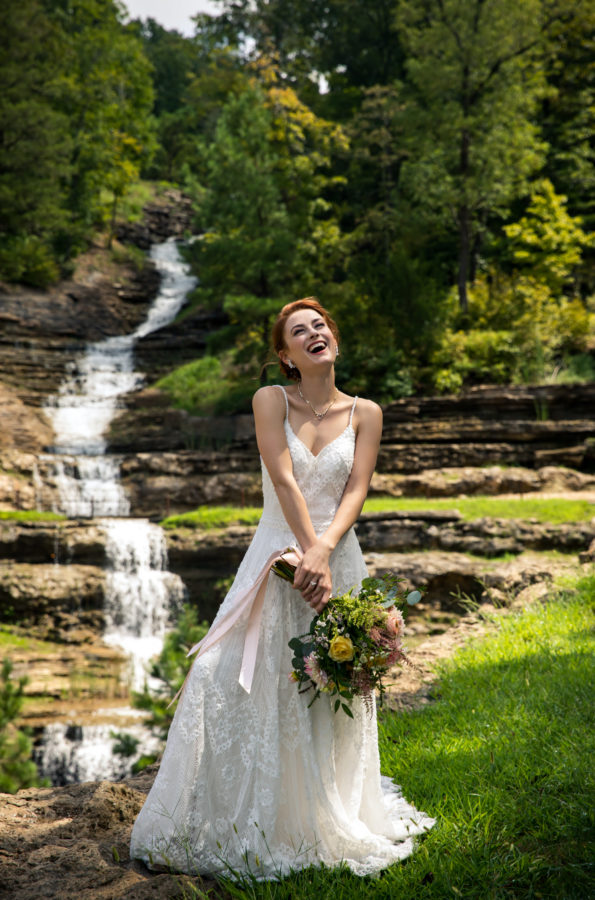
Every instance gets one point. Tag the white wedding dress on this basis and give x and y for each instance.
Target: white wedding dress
(260, 783)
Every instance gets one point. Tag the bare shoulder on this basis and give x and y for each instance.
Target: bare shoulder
(368, 413)
(268, 399)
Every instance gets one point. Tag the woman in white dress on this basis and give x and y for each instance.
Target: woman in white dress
(252, 780)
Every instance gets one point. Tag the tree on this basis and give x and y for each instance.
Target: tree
(17, 770)
(107, 95)
(474, 81)
(269, 234)
(352, 44)
(568, 114)
(34, 141)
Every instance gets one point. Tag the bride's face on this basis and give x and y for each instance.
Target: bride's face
(309, 341)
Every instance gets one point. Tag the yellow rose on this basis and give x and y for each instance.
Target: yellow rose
(341, 649)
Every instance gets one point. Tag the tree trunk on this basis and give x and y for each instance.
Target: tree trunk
(112, 224)
(464, 257)
(464, 223)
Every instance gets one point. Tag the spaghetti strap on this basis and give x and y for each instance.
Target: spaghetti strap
(286, 400)
(352, 410)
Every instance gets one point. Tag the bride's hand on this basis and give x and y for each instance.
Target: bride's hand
(313, 576)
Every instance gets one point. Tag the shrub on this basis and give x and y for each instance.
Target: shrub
(27, 259)
(17, 770)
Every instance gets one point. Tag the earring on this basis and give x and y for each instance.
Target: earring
(336, 352)
(290, 364)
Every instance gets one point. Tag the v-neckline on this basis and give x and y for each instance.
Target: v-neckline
(348, 427)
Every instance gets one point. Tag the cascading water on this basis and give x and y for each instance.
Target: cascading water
(140, 592)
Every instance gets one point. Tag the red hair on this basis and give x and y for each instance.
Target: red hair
(278, 332)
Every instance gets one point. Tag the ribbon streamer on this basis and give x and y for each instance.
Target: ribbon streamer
(251, 599)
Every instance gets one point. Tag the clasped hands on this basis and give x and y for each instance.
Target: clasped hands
(312, 577)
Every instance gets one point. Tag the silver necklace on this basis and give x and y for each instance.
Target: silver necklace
(319, 415)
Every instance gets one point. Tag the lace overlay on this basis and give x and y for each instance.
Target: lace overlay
(258, 782)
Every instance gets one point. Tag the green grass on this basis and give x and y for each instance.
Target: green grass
(14, 639)
(546, 509)
(30, 515)
(502, 759)
(207, 518)
(555, 510)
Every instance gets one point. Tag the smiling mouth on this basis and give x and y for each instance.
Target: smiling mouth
(317, 347)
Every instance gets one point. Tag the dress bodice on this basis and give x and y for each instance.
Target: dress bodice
(321, 478)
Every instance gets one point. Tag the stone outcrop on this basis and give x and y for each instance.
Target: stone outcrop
(491, 537)
(74, 675)
(62, 603)
(42, 331)
(24, 430)
(52, 575)
(455, 581)
(530, 427)
(20, 485)
(60, 543)
(486, 481)
(162, 483)
(182, 341)
(168, 215)
(205, 559)
(74, 842)
(52, 579)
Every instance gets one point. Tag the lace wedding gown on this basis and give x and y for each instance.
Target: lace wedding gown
(258, 782)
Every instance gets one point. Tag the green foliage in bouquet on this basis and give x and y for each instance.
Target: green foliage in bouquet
(353, 642)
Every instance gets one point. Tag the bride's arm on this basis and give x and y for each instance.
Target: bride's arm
(369, 432)
(269, 414)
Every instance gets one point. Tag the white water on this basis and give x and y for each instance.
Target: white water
(140, 593)
(68, 754)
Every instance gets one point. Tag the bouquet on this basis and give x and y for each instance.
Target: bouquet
(353, 642)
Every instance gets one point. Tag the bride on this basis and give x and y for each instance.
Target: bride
(252, 780)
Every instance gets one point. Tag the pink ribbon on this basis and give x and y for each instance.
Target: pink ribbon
(252, 598)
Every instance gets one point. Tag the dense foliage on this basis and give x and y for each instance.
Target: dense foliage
(75, 126)
(426, 167)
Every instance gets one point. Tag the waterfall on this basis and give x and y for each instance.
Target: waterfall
(68, 754)
(140, 593)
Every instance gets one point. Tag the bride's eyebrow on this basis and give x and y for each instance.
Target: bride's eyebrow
(301, 325)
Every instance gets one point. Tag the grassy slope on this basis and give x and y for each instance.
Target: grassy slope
(30, 515)
(552, 510)
(502, 759)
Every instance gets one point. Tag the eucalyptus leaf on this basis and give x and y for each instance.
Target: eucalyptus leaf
(413, 598)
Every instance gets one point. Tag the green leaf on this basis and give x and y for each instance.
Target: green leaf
(413, 598)
(346, 710)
